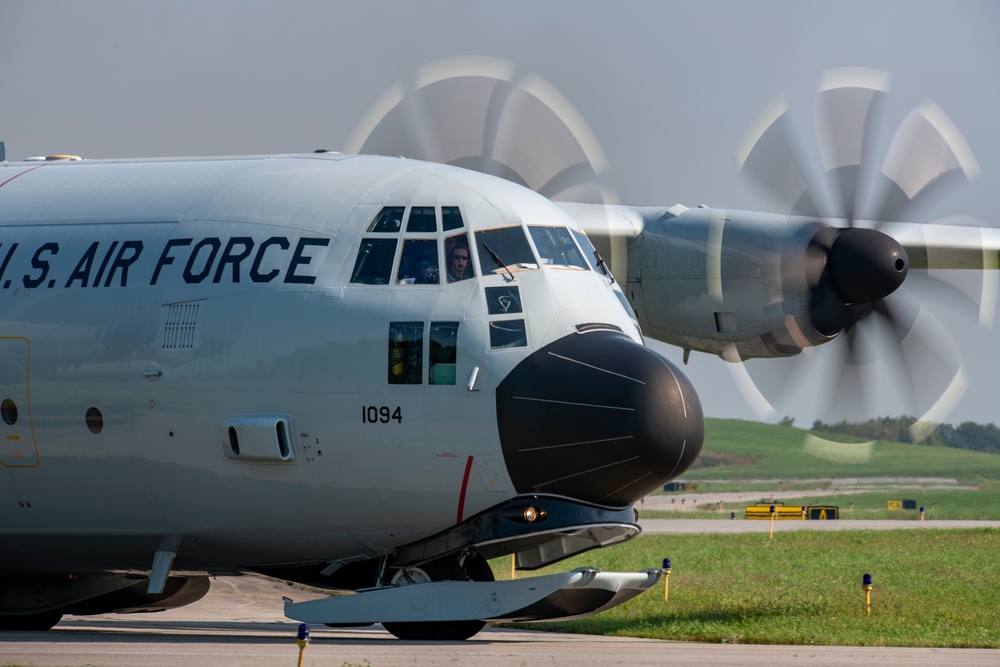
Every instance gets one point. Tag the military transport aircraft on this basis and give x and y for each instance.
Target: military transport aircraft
(373, 374)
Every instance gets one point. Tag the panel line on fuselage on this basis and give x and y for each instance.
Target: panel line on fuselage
(586, 472)
(583, 405)
(596, 368)
(576, 444)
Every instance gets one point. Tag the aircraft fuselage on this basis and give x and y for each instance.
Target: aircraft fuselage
(251, 362)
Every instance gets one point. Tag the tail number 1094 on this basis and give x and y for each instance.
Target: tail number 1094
(381, 414)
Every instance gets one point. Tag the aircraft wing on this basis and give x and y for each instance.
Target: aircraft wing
(948, 245)
(953, 243)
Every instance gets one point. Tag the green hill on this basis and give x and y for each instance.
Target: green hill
(742, 450)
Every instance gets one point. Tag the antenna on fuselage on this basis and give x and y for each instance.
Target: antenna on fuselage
(3, 153)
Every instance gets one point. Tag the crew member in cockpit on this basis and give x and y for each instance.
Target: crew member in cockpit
(427, 273)
(458, 263)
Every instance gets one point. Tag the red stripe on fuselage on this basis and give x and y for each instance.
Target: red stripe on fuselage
(465, 487)
(20, 174)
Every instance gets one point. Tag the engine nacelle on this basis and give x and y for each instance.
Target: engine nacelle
(721, 281)
(741, 284)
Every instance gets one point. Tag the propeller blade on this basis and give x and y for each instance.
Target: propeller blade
(856, 388)
(927, 150)
(747, 387)
(542, 137)
(847, 101)
(933, 365)
(952, 243)
(767, 154)
(973, 294)
(472, 113)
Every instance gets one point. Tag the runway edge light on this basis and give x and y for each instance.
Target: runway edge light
(302, 639)
(666, 578)
(866, 584)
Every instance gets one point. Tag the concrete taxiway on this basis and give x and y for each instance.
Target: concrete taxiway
(240, 622)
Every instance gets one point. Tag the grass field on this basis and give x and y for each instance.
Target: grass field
(741, 450)
(931, 588)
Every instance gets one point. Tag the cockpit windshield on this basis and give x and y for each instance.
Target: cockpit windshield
(509, 245)
(556, 248)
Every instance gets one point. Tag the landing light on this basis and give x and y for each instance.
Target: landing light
(526, 514)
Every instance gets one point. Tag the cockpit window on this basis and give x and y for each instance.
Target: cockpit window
(418, 264)
(388, 221)
(406, 353)
(443, 352)
(508, 333)
(451, 218)
(457, 258)
(509, 245)
(422, 219)
(556, 248)
(503, 300)
(589, 252)
(417, 253)
(373, 265)
(625, 304)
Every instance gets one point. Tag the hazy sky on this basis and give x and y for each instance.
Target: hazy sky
(667, 87)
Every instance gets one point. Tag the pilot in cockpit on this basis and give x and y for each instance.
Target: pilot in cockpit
(458, 263)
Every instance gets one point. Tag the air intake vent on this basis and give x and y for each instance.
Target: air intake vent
(256, 438)
(597, 326)
(179, 325)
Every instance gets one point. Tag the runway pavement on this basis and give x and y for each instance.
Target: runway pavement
(240, 622)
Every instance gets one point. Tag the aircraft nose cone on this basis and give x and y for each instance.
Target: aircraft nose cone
(599, 418)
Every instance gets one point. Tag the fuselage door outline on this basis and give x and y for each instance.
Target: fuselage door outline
(18, 448)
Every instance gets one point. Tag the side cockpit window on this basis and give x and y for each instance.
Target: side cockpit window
(406, 353)
(418, 264)
(443, 352)
(458, 259)
(508, 333)
(590, 253)
(373, 265)
(416, 248)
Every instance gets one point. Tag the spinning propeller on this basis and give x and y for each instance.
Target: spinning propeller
(474, 112)
(852, 266)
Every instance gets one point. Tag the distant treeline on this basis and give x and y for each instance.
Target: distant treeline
(968, 435)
